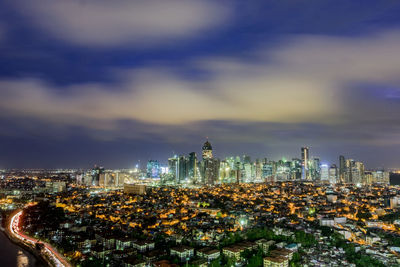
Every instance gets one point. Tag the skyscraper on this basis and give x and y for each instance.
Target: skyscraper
(342, 169)
(324, 173)
(207, 150)
(153, 169)
(333, 174)
(96, 171)
(192, 165)
(305, 156)
(209, 165)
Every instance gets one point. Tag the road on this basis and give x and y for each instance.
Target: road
(50, 251)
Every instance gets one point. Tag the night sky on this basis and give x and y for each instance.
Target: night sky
(86, 82)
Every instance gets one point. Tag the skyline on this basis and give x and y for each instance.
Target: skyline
(110, 84)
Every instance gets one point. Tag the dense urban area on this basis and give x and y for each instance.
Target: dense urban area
(232, 212)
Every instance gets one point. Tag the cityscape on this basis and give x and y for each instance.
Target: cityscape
(207, 212)
(199, 133)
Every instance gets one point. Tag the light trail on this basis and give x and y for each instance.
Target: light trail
(52, 253)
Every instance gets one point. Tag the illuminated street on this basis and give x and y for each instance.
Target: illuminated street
(49, 250)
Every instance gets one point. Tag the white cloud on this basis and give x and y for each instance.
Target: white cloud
(304, 81)
(107, 23)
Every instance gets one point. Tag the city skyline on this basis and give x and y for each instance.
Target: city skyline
(259, 78)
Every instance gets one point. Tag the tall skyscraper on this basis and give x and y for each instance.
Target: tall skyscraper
(305, 157)
(324, 173)
(153, 169)
(192, 165)
(173, 168)
(183, 168)
(342, 169)
(207, 150)
(209, 165)
(333, 173)
(96, 171)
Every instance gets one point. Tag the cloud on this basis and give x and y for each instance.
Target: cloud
(307, 80)
(103, 23)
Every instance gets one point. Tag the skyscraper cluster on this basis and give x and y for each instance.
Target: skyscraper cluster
(210, 170)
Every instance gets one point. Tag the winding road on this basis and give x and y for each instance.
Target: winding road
(48, 250)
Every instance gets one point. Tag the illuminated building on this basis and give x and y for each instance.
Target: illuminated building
(305, 157)
(209, 165)
(315, 169)
(342, 169)
(173, 168)
(96, 171)
(258, 173)
(135, 189)
(324, 173)
(192, 165)
(153, 169)
(333, 174)
(183, 172)
(207, 150)
(348, 177)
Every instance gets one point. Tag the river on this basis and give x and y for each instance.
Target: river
(12, 255)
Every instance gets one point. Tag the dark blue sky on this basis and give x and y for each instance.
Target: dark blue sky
(85, 82)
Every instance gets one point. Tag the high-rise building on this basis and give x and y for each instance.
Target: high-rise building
(153, 169)
(207, 150)
(173, 168)
(183, 168)
(315, 169)
(296, 169)
(96, 171)
(349, 167)
(209, 165)
(333, 173)
(192, 165)
(305, 157)
(358, 172)
(258, 168)
(342, 169)
(324, 173)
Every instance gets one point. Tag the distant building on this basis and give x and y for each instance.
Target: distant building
(153, 169)
(96, 171)
(135, 189)
(305, 157)
(209, 165)
(207, 151)
(324, 173)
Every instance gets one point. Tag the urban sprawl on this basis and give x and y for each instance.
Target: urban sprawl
(208, 212)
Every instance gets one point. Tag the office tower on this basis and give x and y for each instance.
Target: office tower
(173, 168)
(210, 171)
(349, 166)
(224, 171)
(342, 169)
(183, 168)
(315, 169)
(358, 173)
(79, 178)
(96, 171)
(282, 170)
(207, 150)
(324, 173)
(267, 170)
(192, 165)
(381, 177)
(246, 159)
(246, 169)
(153, 169)
(333, 173)
(305, 157)
(258, 170)
(296, 169)
(209, 165)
